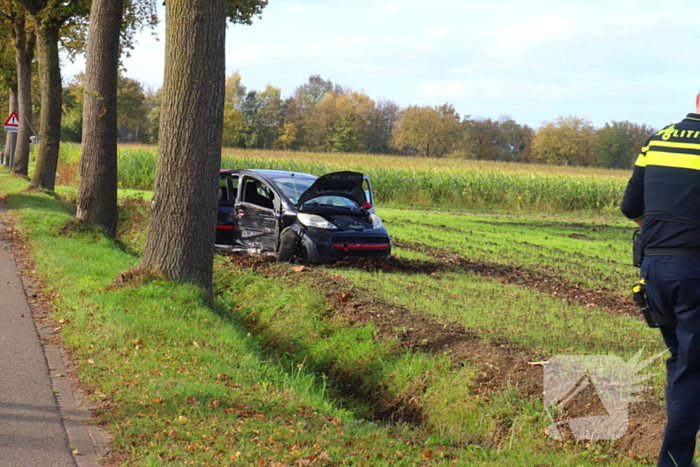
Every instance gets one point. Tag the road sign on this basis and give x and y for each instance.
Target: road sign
(12, 122)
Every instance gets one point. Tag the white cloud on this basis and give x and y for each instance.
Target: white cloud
(534, 60)
(535, 31)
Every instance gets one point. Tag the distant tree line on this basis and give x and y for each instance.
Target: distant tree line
(326, 117)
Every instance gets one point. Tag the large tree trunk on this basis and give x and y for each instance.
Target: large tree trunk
(24, 54)
(11, 137)
(51, 101)
(97, 195)
(181, 235)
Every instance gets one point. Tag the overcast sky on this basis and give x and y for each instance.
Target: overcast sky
(534, 60)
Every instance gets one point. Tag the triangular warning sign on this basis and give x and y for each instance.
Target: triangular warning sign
(12, 120)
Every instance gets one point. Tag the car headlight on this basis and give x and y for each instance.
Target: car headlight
(312, 220)
(376, 221)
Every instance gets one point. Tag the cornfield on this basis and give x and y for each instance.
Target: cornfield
(413, 181)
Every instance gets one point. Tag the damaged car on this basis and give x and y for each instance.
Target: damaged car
(299, 216)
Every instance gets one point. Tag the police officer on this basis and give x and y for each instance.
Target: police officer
(663, 196)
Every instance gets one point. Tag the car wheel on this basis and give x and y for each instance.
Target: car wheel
(289, 242)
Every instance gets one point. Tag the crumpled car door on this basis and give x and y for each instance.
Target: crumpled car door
(256, 216)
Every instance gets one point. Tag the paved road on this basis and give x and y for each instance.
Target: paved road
(31, 428)
(42, 414)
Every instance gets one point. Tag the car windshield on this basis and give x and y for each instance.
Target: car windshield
(294, 187)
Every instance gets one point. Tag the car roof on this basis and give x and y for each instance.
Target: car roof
(271, 174)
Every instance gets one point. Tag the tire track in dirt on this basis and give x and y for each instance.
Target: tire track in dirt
(518, 275)
(505, 363)
(500, 364)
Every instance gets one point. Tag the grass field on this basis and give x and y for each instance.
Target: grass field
(423, 359)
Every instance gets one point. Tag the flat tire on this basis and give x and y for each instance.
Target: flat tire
(289, 244)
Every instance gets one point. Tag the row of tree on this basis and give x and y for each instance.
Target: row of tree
(37, 29)
(180, 241)
(322, 116)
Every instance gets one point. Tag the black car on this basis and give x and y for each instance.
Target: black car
(296, 215)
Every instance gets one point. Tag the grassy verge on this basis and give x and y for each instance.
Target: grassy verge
(278, 373)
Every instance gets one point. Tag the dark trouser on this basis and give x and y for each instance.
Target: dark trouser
(673, 287)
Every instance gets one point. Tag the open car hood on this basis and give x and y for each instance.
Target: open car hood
(346, 184)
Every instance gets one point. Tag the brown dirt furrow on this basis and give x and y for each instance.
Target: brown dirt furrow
(501, 363)
(517, 275)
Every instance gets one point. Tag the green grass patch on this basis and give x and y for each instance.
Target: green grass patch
(594, 251)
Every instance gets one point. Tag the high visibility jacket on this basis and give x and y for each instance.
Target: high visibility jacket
(664, 188)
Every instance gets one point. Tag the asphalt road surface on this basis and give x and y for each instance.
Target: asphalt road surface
(32, 433)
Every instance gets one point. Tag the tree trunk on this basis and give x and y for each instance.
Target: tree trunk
(11, 137)
(24, 54)
(181, 235)
(97, 195)
(51, 101)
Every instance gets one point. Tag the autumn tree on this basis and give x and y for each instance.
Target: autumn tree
(132, 110)
(8, 70)
(23, 39)
(97, 194)
(382, 119)
(72, 103)
(343, 121)
(299, 111)
(134, 105)
(234, 94)
(320, 121)
(262, 116)
(152, 103)
(481, 139)
(180, 240)
(618, 144)
(427, 131)
(566, 141)
(515, 140)
(49, 16)
(52, 17)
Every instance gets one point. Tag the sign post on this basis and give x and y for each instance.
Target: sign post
(12, 126)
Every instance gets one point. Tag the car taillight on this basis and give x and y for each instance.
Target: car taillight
(367, 205)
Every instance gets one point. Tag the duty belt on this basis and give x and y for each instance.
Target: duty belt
(672, 252)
